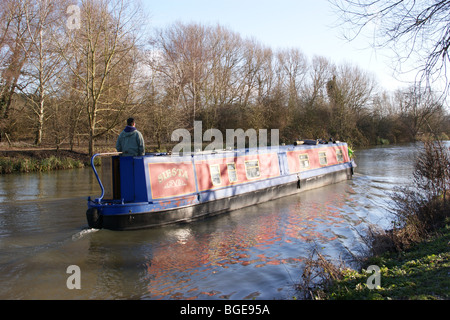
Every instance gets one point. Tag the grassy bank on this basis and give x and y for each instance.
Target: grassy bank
(21, 161)
(421, 272)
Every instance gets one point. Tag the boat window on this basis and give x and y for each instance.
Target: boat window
(323, 158)
(252, 169)
(215, 174)
(339, 155)
(232, 174)
(304, 161)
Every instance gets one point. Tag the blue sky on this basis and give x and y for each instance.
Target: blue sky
(309, 25)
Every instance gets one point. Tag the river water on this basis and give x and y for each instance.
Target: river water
(253, 253)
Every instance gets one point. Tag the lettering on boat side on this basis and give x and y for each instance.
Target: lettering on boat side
(174, 183)
(73, 281)
(172, 173)
(247, 309)
(170, 179)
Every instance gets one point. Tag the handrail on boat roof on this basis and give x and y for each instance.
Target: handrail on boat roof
(98, 200)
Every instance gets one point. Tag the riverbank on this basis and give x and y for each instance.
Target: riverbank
(412, 259)
(419, 273)
(40, 160)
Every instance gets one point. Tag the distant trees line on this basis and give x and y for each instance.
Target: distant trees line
(74, 76)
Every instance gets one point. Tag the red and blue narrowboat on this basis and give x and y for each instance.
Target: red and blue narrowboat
(159, 189)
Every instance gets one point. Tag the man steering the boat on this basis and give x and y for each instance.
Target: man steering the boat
(130, 141)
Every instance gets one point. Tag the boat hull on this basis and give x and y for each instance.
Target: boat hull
(129, 219)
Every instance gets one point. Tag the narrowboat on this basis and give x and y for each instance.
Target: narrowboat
(159, 189)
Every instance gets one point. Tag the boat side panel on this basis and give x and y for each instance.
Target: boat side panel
(225, 192)
(313, 157)
(171, 179)
(140, 180)
(127, 182)
(210, 208)
(268, 168)
(218, 193)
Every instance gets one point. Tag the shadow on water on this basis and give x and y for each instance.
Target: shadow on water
(253, 253)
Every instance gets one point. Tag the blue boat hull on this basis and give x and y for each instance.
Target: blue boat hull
(121, 215)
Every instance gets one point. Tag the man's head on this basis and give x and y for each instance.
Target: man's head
(130, 122)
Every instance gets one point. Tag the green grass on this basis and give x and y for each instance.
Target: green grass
(420, 273)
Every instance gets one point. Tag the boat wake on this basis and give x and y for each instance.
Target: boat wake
(82, 233)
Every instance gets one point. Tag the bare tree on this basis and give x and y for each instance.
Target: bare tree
(349, 93)
(43, 19)
(417, 30)
(295, 66)
(102, 55)
(417, 108)
(225, 77)
(160, 99)
(320, 71)
(13, 57)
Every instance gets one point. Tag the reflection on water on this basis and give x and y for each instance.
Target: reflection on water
(253, 253)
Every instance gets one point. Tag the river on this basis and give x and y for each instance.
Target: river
(253, 253)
